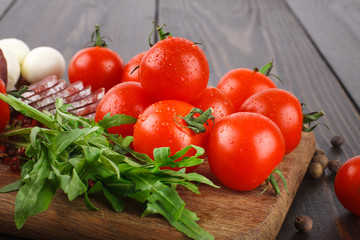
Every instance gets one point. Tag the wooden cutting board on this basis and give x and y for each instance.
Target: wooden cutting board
(225, 213)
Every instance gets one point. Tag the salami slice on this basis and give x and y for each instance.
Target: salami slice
(83, 93)
(90, 108)
(3, 67)
(41, 86)
(90, 116)
(68, 91)
(61, 85)
(93, 97)
(69, 100)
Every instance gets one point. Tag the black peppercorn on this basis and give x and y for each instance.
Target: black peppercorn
(322, 159)
(334, 165)
(337, 141)
(319, 152)
(303, 223)
(315, 170)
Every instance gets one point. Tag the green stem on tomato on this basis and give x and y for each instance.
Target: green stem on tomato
(99, 40)
(162, 33)
(273, 182)
(160, 30)
(266, 69)
(309, 118)
(197, 124)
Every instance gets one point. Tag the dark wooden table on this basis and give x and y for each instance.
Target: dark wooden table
(315, 46)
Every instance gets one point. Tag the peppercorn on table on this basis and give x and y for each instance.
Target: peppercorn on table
(315, 51)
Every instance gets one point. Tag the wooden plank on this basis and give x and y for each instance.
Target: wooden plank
(334, 28)
(250, 33)
(4, 6)
(223, 212)
(67, 25)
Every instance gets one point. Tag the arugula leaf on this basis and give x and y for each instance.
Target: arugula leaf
(162, 159)
(29, 111)
(116, 120)
(66, 157)
(27, 198)
(11, 187)
(75, 187)
(63, 140)
(161, 202)
(88, 203)
(116, 202)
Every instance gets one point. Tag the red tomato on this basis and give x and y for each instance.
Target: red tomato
(96, 66)
(347, 185)
(4, 108)
(283, 108)
(125, 98)
(174, 68)
(241, 83)
(156, 127)
(243, 150)
(129, 74)
(213, 98)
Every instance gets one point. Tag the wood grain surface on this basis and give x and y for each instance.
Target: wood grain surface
(225, 213)
(329, 22)
(302, 37)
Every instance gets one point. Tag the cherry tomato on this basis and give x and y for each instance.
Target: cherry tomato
(131, 69)
(283, 108)
(243, 150)
(174, 68)
(4, 108)
(96, 66)
(241, 83)
(213, 98)
(125, 98)
(347, 185)
(156, 127)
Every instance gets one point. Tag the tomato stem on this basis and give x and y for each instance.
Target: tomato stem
(99, 40)
(266, 70)
(273, 182)
(309, 118)
(197, 124)
(162, 33)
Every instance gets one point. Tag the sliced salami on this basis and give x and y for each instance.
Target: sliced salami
(90, 108)
(41, 86)
(3, 67)
(68, 91)
(83, 93)
(45, 93)
(61, 85)
(69, 100)
(90, 116)
(93, 97)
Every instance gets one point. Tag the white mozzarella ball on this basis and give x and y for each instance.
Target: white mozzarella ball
(42, 62)
(18, 47)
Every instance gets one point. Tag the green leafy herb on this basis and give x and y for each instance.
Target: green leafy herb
(74, 151)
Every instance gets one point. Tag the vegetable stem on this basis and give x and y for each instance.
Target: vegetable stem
(197, 124)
